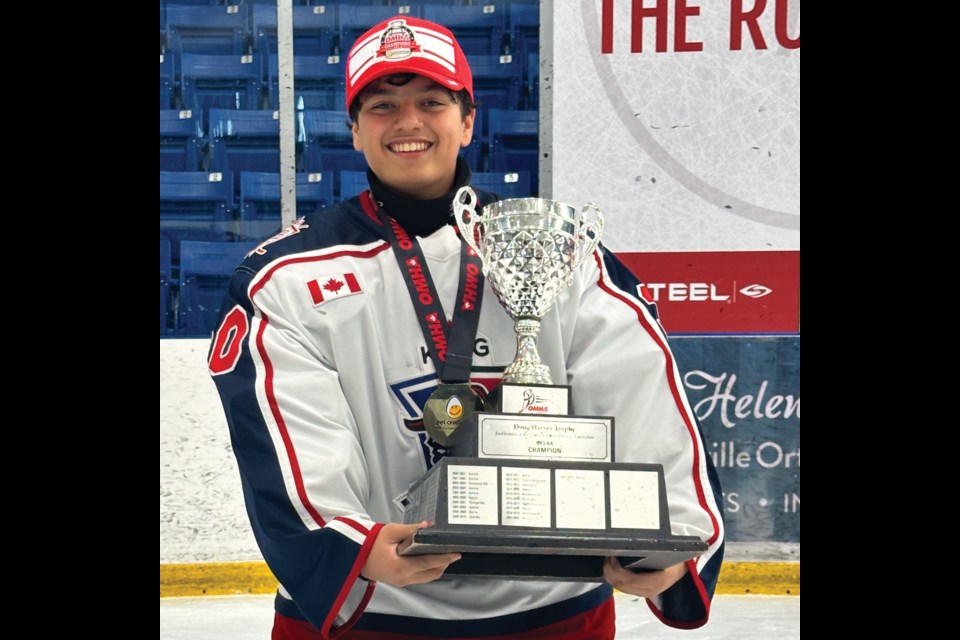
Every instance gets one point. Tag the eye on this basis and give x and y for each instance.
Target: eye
(381, 106)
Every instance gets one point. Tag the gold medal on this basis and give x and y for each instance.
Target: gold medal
(447, 408)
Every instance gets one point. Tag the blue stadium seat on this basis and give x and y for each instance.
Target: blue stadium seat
(166, 276)
(207, 29)
(353, 183)
(479, 28)
(356, 19)
(512, 184)
(205, 270)
(166, 81)
(475, 152)
(523, 25)
(260, 211)
(531, 92)
(496, 81)
(220, 82)
(514, 143)
(180, 136)
(244, 141)
(328, 143)
(315, 31)
(195, 205)
(318, 82)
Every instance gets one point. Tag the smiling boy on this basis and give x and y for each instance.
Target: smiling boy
(327, 351)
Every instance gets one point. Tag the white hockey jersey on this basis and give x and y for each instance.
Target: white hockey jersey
(323, 371)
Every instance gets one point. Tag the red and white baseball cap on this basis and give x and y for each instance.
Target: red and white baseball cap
(407, 45)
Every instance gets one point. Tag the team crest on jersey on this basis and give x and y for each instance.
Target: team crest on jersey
(293, 229)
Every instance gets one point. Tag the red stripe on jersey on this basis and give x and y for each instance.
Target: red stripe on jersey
(691, 429)
(268, 370)
(702, 590)
(356, 525)
(358, 564)
(282, 426)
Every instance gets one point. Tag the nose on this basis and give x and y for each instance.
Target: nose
(408, 117)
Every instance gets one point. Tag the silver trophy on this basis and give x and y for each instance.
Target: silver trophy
(529, 248)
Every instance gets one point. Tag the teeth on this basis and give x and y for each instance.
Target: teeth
(409, 146)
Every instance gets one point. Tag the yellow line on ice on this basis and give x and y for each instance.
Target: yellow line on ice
(230, 578)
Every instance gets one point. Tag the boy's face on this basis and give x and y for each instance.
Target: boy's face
(411, 135)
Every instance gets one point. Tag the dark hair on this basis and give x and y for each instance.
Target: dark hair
(461, 97)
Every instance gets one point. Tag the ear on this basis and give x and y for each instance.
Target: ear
(467, 134)
(355, 130)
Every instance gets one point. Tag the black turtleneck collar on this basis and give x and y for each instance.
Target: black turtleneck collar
(419, 217)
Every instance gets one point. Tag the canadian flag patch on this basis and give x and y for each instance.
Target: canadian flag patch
(338, 285)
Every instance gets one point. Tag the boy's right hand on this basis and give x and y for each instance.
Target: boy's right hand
(384, 565)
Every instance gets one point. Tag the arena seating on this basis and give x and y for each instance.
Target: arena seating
(352, 183)
(219, 88)
(260, 211)
(328, 143)
(195, 205)
(218, 29)
(220, 82)
(180, 136)
(243, 141)
(511, 184)
(479, 28)
(318, 82)
(205, 270)
(166, 276)
(315, 29)
(513, 142)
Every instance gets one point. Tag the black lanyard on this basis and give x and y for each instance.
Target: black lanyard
(451, 349)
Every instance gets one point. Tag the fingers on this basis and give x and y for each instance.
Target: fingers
(384, 565)
(428, 568)
(395, 533)
(647, 584)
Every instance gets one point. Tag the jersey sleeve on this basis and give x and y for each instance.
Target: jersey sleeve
(619, 364)
(302, 470)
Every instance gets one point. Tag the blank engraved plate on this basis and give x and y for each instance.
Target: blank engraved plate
(581, 499)
(634, 499)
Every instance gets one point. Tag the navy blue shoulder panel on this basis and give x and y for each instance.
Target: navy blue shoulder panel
(344, 223)
(624, 279)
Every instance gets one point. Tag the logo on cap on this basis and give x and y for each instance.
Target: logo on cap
(397, 41)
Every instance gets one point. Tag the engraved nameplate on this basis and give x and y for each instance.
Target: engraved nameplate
(534, 437)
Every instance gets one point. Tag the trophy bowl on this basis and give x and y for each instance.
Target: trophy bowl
(529, 248)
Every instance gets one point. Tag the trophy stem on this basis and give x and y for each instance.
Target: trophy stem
(527, 368)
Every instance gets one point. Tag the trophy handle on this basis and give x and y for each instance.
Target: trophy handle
(466, 216)
(588, 234)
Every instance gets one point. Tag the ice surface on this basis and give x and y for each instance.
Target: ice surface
(748, 617)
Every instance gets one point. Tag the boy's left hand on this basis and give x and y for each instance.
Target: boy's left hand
(647, 584)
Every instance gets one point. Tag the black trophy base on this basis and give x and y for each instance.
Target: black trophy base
(550, 556)
(544, 519)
